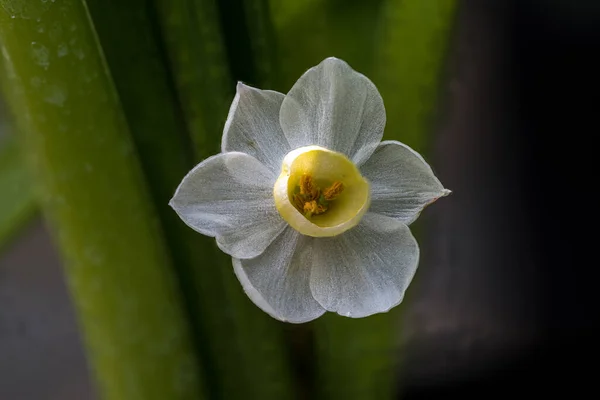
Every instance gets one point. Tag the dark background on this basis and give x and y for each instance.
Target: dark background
(504, 303)
(518, 146)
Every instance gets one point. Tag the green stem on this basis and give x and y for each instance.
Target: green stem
(132, 45)
(261, 36)
(193, 42)
(356, 357)
(246, 346)
(249, 38)
(409, 52)
(411, 49)
(95, 197)
(17, 202)
(400, 45)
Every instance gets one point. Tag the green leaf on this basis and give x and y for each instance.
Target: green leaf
(94, 194)
(197, 59)
(249, 37)
(356, 358)
(131, 40)
(307, 32)
(245, 346)
(410, 53)
(17, 202)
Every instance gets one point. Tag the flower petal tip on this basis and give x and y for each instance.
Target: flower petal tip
(242, 87)
(335, 59)
(338, 61)
(444, 193)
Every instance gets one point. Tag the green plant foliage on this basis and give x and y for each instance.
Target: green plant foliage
(17, 201)
(240, 345)
(94, 195)
(116, 100)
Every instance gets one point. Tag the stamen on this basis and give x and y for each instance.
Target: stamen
(333, 191)
(307, 187)
(298, 201)
(310, 200)
(310, 208)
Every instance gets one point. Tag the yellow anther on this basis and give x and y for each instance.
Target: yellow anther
(333, 191)
(310, 208)
(297, 201)
(309, 200)
(307, 187)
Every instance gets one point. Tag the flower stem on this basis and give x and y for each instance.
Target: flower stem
(246, 346)
(131, 39)
(17, 203)
(400, 45)
(413, 41)
(356, 357)
(249, 37)
(94, 195)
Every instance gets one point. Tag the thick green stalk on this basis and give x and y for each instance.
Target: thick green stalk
(261, 36)
(193, 42)
(17, 202)
(306, 32)
(356, 358)
(245, 344)
(94, 195)
(400, 45)
(410, 53)
(132, 45)
(249, 38)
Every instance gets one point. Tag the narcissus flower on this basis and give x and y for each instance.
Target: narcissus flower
(311, 205)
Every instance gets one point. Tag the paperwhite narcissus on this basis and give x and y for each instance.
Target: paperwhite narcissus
(312, 207)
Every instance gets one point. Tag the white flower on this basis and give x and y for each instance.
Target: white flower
(312, 207)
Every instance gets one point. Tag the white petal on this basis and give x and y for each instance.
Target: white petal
(402, 183)
(277, 281)
(230, 196)
(365, 270)
(251, 291)
(335, 107)
(252, 126)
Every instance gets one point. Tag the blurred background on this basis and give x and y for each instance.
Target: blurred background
(504, 299)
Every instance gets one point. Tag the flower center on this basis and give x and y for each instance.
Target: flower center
(320, 192)
(311, 200)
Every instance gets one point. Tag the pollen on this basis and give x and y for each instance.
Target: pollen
(333, 191)
(311, 200)
(307, 187)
